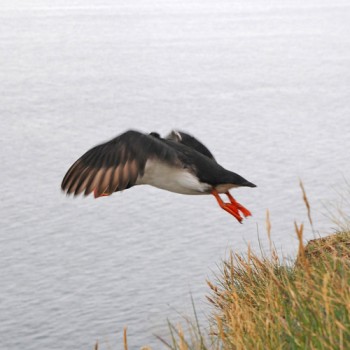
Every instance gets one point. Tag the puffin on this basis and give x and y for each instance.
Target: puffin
(178, 163)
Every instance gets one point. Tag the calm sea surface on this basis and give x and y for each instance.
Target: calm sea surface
(265, 85)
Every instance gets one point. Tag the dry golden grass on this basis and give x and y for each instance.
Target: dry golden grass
(261, 302)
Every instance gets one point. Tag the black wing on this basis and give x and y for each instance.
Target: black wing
(189, 141)
(116, 164)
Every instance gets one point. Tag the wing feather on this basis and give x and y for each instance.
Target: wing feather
(116, 164)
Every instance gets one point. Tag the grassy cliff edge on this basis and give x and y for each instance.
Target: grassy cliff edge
(263, 302)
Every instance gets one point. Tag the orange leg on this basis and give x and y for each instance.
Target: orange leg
(229, 207)
(239, 206)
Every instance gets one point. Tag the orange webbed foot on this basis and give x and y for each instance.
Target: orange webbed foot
(239, 206)
(233, 211)
(231, 208)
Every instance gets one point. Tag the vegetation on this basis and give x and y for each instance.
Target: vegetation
(264, 302)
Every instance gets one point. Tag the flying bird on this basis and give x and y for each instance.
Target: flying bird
(178, 163)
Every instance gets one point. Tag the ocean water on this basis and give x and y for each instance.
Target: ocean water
(265, 85)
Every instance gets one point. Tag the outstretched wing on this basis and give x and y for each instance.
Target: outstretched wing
(116, 164)
(189, 141)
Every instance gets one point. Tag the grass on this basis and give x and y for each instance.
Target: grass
(263, 302)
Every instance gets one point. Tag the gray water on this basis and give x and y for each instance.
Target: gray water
(265, 85)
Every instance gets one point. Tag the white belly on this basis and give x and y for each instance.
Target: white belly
(172, 179)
